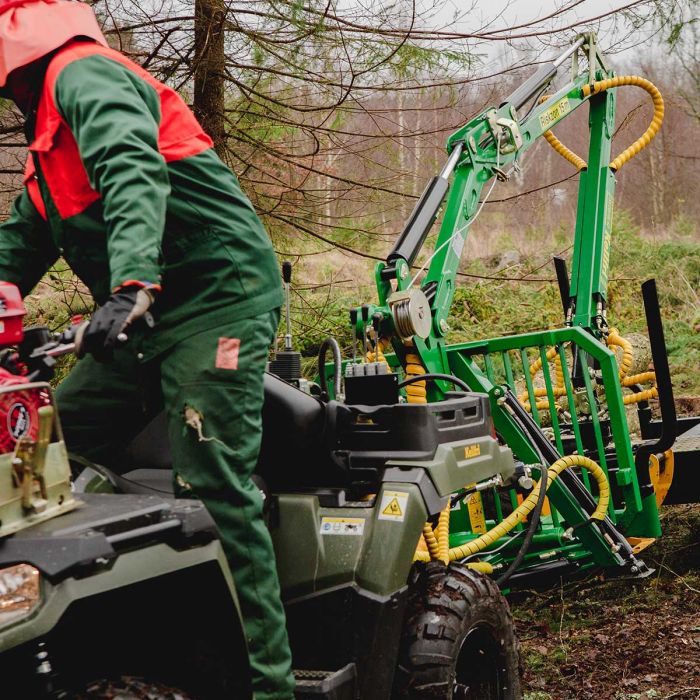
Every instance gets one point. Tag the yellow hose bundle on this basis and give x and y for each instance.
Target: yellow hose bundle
(642, 142)
(626, 361)
(377, 355)
(645, 139)
(437, 547)
(616, 340)
(416, 392)
(558, 389)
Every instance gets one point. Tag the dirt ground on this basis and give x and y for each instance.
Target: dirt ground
(620, 640)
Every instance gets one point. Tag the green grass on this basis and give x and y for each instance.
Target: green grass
(488, 308)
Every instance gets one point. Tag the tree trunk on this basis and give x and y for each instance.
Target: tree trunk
(209, 68)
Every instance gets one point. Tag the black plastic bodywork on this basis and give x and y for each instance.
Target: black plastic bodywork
(94, 535)
(308, 444)
(361, 628)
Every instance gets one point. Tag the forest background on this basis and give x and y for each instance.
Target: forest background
(334, 115)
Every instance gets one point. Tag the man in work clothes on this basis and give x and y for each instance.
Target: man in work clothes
(122, 183)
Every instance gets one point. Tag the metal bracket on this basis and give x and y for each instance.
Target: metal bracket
(502, 125)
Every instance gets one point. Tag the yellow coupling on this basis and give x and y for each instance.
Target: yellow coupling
(436, 547)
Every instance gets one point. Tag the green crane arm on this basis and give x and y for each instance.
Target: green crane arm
(489, 146)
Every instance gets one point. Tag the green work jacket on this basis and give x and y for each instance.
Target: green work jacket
(124, 185)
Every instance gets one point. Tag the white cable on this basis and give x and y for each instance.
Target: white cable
(467, 224)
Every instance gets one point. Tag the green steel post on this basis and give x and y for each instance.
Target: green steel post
(591, 260)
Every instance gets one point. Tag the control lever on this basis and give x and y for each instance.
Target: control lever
(287, 279)
(376, 325)
(286, 364)
(365, 319)
(353, 324)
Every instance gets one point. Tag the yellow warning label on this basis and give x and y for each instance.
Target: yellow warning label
(555, 113)
(471, 451)
(394, 508)
(393, 505)
(475, 506)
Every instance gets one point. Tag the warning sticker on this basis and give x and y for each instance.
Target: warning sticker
(393, 505)
(475, 506)
(342, 526)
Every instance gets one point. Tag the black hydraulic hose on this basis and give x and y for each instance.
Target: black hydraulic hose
(532, 528)
(337, 367)
(534, 517)
(435, 375)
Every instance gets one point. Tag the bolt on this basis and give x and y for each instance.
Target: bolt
(139, 356)
(634, 569)
(525, 482)
(444, 326)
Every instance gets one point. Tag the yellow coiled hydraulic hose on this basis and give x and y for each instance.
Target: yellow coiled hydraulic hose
(558, 389)
(645, 139)
(616, 340)
(626, 361)
(642, 142)
(436, 546)
(377, 354)
(566, 153)
(416, 392)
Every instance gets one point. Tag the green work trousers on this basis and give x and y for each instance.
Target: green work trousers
(211, 384)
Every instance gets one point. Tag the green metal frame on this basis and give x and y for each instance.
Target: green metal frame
(490, 144)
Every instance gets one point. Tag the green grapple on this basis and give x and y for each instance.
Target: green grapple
(556, 393)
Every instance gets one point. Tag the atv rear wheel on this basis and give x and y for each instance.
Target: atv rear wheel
(458, 641)
(130, 688)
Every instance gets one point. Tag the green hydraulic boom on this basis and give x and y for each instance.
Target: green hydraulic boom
(552, 393)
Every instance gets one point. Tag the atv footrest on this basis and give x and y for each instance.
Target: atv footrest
(326, 685)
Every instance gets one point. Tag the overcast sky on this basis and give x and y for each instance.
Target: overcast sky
(502, 14)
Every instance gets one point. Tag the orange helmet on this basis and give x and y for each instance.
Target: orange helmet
(30, 29)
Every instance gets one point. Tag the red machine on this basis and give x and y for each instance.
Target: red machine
(18, 407)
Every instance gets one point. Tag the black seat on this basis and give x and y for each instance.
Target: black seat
(292, 453)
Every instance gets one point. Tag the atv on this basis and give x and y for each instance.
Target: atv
(111, 587)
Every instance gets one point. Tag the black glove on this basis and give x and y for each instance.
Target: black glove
(101, 334)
